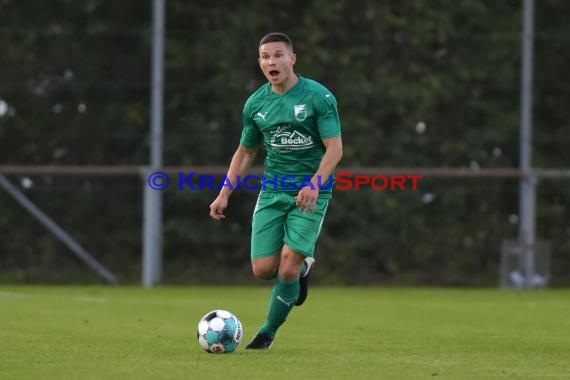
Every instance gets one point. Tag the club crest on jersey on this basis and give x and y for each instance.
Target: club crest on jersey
(300, 112)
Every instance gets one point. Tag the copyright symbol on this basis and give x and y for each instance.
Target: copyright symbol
(158, 181)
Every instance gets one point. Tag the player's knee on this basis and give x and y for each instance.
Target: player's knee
(263, 273)
(289, 272)
(263, 270)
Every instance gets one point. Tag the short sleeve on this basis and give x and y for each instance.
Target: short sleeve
(328, 120)
(251, 136)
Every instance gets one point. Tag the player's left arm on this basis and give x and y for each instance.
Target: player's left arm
(307, 198)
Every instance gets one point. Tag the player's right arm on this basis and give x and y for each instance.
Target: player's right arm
(240, 164)
(251, 138)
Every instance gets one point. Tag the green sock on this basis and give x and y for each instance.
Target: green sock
(282, 300)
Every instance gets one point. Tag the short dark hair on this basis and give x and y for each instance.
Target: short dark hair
(277, 37)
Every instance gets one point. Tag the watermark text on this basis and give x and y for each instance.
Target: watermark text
(342, 181)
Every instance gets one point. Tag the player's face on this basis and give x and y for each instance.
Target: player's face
(276, 62)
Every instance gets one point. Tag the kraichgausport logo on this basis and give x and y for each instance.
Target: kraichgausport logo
(343, 181)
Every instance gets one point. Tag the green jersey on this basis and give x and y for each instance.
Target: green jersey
(292, 127)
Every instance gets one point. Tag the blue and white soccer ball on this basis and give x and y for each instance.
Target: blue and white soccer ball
(219, 331)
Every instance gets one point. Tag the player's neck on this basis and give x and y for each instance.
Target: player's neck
(282, 88)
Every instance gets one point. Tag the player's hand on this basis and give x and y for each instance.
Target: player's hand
(218, 206)
(306, 200)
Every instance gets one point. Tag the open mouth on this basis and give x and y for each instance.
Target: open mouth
(274, 73)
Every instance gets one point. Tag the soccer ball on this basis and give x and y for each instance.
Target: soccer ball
(219, 331)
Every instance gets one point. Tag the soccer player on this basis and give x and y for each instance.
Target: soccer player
(297, 121)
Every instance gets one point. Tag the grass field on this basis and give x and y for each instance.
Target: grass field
(340, 333)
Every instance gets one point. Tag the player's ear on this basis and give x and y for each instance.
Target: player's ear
(293, 58)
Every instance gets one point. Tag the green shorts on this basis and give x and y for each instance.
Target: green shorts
(278, 221)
